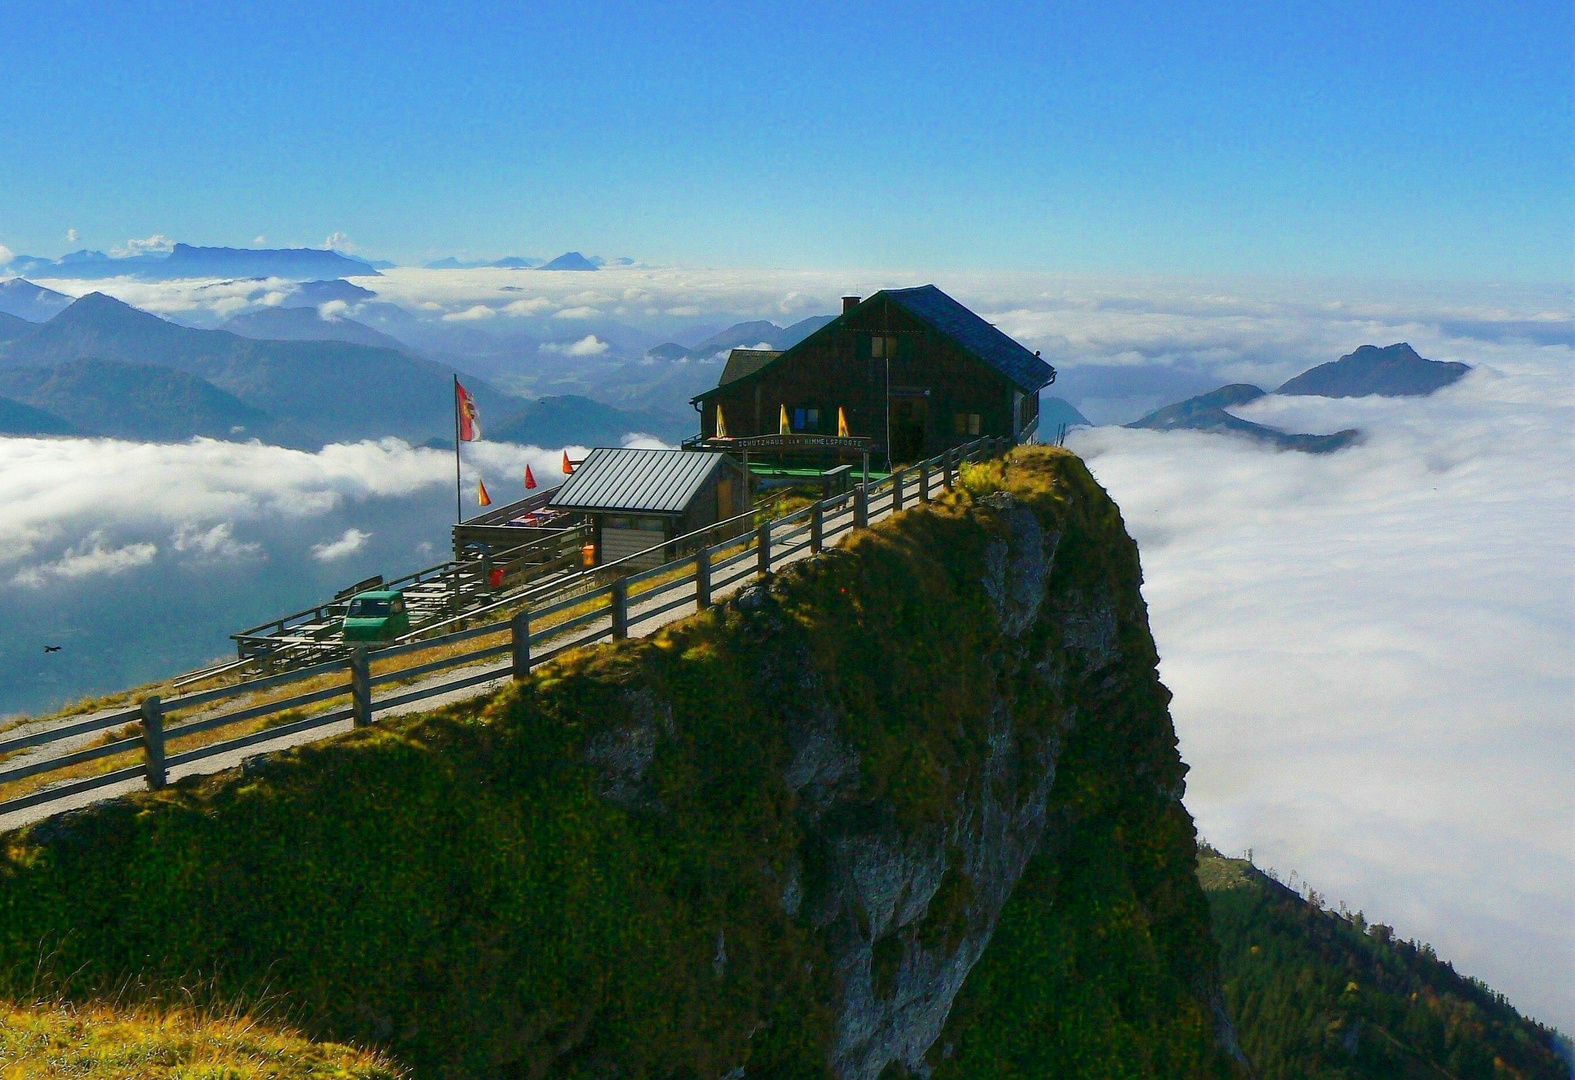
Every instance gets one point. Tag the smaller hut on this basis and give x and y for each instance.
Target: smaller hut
(637, 499)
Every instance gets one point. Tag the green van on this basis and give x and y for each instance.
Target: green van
(376, 616)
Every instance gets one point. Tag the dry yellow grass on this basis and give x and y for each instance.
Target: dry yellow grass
(101, 1043)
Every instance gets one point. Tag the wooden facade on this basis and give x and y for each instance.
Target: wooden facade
(946, 375)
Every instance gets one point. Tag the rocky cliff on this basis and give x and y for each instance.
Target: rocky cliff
(910, 808)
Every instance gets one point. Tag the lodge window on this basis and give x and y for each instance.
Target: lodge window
(806, 419)
(966, 423)
(883, 347)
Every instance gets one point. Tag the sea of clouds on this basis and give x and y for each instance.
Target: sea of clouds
(1371, 651)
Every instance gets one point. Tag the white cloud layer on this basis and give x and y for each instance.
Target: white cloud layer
(1371, 654)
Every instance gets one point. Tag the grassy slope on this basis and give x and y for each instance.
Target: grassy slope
(100, 1043)
(459, 888)
(1323, 996)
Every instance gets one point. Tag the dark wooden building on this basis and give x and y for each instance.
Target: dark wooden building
(913, 363)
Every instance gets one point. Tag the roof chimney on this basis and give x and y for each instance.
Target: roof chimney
(849, 303)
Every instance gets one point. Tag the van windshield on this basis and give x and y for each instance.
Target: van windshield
(367, 608)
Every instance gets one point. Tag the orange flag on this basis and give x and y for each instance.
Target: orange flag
(482, 495)
(842, 423)
(530, 479)
(568, 466)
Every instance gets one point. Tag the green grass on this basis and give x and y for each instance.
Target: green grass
(54, 1040)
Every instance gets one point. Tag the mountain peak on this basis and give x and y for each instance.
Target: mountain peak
(1392, 371)
(97, 305)
(570, 260)
(25, 300)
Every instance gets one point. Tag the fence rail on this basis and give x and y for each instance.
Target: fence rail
(582, 608)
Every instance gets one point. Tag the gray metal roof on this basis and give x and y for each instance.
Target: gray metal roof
(637, 481)
(742, 362)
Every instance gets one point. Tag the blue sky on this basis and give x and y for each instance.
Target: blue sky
(1368, 140)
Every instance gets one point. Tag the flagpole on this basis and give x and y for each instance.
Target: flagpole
(459, 514)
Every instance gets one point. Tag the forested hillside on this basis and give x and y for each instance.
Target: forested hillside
(1323, 995)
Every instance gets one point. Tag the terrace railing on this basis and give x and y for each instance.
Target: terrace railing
(496, 640)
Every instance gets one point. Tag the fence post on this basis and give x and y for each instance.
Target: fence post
(519, 629)
(620, 608)
(360, 688)
(763, 549)
(861, 507)
(817, 527)
(897, 480)
(946, 468)
(153, 740)
(702, 578)
(924, 480)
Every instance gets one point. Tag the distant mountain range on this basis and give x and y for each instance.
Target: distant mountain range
(1393, 371)
(313, 293)
(512, 262)
(744, 335)
(570, 418)
(1206, 412)
(304, 393)
(34, 303)
(131, 401)
(306, 324)
(187, 261)
(285, 375)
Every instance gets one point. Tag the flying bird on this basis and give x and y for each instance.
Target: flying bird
(51, 648)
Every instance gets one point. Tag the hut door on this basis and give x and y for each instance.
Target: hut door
(908, 418)
(724, 498)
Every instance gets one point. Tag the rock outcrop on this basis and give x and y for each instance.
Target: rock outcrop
(911, 808)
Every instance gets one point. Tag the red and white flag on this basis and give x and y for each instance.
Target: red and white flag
(530, 479)
(469, 414)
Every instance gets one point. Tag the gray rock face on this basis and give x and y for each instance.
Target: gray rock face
(906, 916)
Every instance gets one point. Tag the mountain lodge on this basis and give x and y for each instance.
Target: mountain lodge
(909, 369)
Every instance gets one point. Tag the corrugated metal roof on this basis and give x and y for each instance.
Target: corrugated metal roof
(637, 481)
(1019, 365)
(742, 362)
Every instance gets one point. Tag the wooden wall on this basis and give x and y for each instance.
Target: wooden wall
(838, 367)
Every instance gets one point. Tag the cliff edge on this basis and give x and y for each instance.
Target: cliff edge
(909, 808)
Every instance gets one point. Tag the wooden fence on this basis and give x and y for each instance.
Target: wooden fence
(510, 637)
